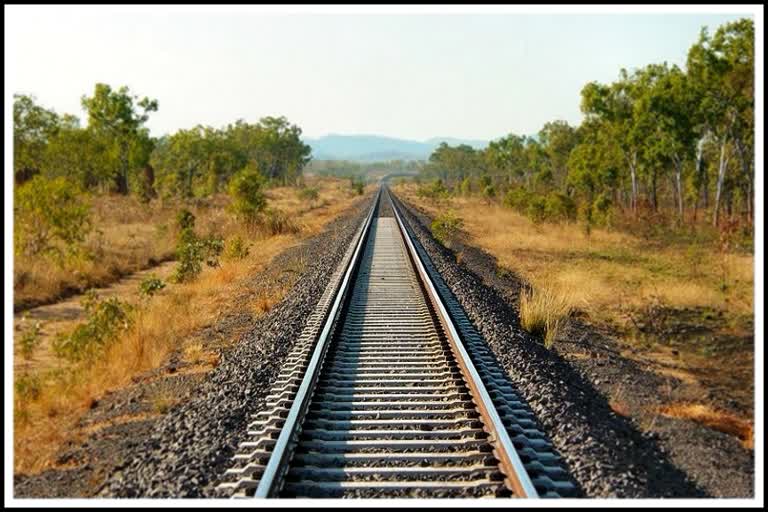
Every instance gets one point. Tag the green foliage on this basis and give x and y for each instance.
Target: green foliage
(466, 186)
(150, 285)
(308, 194)
(236, 249)
(105, 320)
(27, 386)
(30, 339)
(357, 185)
(517, 198)
(185, 220)
(435, 190)
(245, 189)
(118, 117)
(489, 192)
(536, 209)
(192, 251)
(559, 207)
(445, 227)
(51, 217)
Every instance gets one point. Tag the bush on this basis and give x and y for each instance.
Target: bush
(536, 210)
(466, 186)
(357, 185)
(245, 189)
(308, 194)
(435, 190)
(185, 220)
(30, 340)
(51, 216)
(27, 386)
(106, 319)
(150, 285)
(236, 249)
(517, 199)
(445, 227)
(192, 252)
(559, 207)
(489, 192)
(277, 222)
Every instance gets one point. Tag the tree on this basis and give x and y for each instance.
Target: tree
(506, 155)
(558, 139)
(33, 126)
(120, 116)
(721, 68)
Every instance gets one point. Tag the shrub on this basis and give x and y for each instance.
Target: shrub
(543, 312)
(248, 200)
(308, 194)
(27, 386)
(236, 249)
(150, 285)
(30, 340)
(536, 209)
(105, 320)
(489, 192)
(51, 216)
(445, 227)
(435, 190)
(192, 252)
(559, 207)
(466, 186)
(185, 220)
(357, 185)
(277, 222)
(517, 199)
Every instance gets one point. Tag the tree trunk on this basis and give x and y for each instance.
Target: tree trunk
(679, 187)
(720, 180)
(633, 173)
(121, 178)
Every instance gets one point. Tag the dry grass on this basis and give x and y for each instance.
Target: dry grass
(43, 423)
(606, 269)
(714, 418)
(544, 311)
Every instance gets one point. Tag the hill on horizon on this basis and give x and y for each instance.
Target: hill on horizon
(372, 148)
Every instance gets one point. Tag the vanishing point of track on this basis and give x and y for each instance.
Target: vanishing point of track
(381, 398)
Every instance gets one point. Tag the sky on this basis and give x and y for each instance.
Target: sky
(416, 76)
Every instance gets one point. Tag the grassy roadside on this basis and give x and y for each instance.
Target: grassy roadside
(678, 307)
(50, 397)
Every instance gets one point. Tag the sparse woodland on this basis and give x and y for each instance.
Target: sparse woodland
(672, 147)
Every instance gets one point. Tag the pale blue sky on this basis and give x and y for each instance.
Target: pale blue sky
(411, 76)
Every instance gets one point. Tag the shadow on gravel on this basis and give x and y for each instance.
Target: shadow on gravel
(607, 454)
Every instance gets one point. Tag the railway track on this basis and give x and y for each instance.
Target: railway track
(391, 393)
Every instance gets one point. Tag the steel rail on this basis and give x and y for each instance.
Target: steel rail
(275, 466)
(511, 464)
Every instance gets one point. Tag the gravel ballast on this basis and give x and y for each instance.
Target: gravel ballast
(608, 455)
(193, 444)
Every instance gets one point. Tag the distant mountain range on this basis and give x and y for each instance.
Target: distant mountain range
(372, 148)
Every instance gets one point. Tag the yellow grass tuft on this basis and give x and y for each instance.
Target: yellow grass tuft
(543, 312)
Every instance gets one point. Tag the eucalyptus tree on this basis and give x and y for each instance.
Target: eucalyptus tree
(721, 68)
(33, 127)
(558, 139)
(119, 116)
(507, 156)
